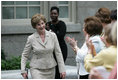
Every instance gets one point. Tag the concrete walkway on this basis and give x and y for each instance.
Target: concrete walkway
(71, 73)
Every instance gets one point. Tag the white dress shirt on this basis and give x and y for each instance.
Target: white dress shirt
(81, 53)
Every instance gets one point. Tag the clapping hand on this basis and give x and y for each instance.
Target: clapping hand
(71, 41)
(104, 41)
(91, 48)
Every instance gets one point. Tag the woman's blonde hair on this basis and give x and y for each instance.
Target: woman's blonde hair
(114, 33)
(36, 19)
(111, 33)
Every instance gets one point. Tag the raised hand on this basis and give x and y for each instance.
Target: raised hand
(73, 44)
(104, 41)
(71, 41)
(91, 48)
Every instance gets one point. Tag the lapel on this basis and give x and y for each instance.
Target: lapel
(38, 38)
(46, 37)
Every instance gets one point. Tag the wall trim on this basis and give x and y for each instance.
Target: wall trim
(24, 28)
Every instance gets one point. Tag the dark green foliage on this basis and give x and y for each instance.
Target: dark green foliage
(2, 55)
(11, 64)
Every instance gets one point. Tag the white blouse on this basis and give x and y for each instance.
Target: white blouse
(81, 53)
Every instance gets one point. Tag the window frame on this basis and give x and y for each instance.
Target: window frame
(23, 26)
(20, 6)
(72, 12)
(45, 9)
(62, 5)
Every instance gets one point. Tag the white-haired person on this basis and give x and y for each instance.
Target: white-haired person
(106, 57)
(95, 74)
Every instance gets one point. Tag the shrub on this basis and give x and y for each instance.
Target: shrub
(2, 55)
(13, 63)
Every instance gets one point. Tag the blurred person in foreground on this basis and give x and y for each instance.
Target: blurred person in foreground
(94, 74)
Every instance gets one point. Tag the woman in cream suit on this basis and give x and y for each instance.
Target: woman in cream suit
(42, 43)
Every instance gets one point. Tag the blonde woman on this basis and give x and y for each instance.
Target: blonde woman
(106, 57)
(95, 74)
(42, 43)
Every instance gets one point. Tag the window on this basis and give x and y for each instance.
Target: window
(24, 10)
(67, 11)
(19, 9)
(63, 8)
(17, 14)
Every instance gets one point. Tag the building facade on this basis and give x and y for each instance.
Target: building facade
(16, 24)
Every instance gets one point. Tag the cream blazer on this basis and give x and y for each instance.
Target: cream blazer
(42, 57)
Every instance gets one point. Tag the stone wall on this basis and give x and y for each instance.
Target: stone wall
(14, 37)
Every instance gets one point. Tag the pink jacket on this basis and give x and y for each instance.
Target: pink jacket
(113, 74)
